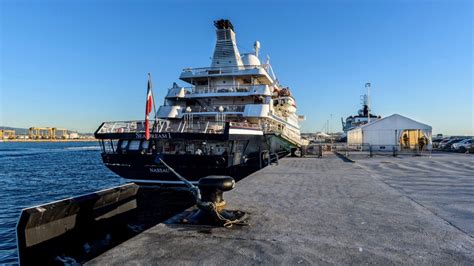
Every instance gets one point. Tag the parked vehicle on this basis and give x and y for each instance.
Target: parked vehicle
(449, 144)
(463, 145)
(443, 142)
(436, 142)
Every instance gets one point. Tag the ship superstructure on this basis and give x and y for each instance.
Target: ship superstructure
(236, 88)
(363, 115)
(231, 118)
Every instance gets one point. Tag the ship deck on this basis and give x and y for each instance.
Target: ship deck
(412, 210)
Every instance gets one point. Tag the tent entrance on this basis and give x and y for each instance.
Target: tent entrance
(412, 139)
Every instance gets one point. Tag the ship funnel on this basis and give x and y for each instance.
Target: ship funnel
(226, 52)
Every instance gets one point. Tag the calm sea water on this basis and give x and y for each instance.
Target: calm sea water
(33, 173)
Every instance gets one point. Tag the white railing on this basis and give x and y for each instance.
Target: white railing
(161, 126)
(226, 108)
(228, 89)
(224, 70)
(245, 125)
(220, 89)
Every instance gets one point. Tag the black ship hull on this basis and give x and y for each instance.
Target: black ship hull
(132, 157)
(145, 169)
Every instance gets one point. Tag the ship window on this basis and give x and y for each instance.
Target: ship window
(158, 147)
(114, 144)
(110, 146)
(124, 144)
(145, 144)
(169, 147)
(134, 145)
(189, 148)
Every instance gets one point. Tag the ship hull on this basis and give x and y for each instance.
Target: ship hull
(256, 152)
(140, 172)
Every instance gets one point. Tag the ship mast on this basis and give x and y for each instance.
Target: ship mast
(367, 85)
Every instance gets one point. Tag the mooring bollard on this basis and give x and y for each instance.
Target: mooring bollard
(211, 204)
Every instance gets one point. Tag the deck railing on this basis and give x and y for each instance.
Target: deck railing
(226, 108)
(190, 126)
(165, 126)
(226, 88)
(161, 126)
(245, 125)
(224, 70)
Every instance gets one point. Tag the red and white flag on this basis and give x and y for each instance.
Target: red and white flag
(149, 102)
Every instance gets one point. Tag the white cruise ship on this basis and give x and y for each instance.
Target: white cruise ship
(232, 118)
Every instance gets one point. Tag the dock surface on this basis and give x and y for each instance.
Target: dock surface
(325, 211)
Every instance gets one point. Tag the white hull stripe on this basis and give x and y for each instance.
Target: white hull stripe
(239, 131)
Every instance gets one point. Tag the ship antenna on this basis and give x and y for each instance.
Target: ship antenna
(275, 79)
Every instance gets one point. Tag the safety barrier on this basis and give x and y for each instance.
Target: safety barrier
(369, 150)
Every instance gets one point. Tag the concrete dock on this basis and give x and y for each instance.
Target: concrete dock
(327, 211)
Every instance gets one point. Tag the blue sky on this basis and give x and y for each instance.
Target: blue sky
(75, 64)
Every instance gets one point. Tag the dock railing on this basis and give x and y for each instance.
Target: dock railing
(369, 150)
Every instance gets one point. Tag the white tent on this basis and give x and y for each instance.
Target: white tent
(391, 131)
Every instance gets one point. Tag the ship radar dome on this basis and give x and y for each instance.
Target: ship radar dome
(250, 60)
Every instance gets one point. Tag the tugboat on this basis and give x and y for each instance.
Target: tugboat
(363, 116)
(232, 118)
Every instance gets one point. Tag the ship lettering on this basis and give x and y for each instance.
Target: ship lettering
(156, 135)
(159, 170)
